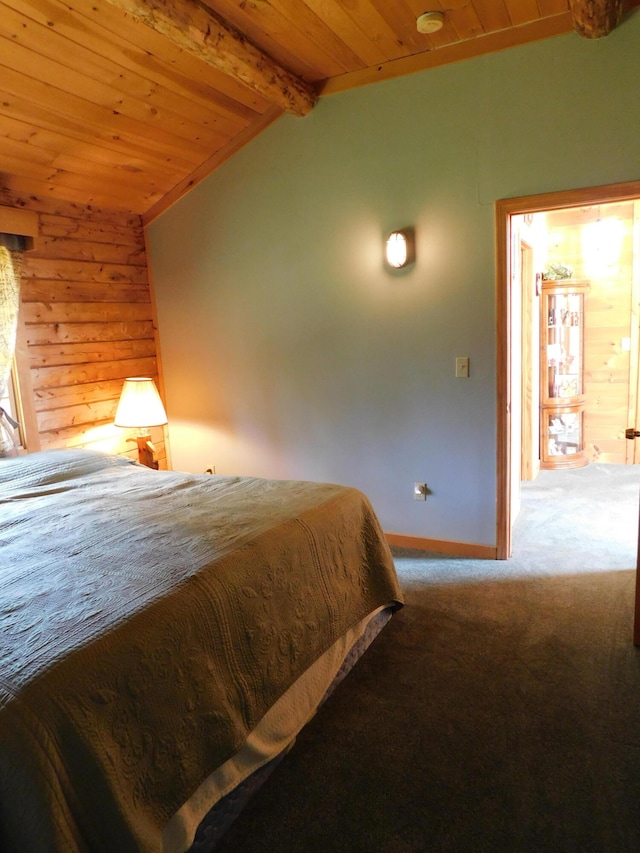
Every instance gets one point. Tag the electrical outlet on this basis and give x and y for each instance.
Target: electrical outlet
(419, 491)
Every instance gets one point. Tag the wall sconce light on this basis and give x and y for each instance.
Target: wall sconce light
(400, 249)
(141, 408)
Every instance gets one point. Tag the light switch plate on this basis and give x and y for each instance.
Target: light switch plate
(462, 367)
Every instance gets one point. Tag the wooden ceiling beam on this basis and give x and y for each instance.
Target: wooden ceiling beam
(195, 29)
(593, 19)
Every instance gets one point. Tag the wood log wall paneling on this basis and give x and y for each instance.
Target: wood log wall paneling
(88, 323)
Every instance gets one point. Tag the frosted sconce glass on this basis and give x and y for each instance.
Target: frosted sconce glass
(400, 250)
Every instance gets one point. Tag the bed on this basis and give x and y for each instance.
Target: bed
(164, 637)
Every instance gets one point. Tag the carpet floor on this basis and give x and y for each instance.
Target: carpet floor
(498, 711)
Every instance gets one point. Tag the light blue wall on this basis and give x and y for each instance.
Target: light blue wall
(290, 351)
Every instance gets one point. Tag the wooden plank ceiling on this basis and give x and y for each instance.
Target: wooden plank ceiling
(126, 104)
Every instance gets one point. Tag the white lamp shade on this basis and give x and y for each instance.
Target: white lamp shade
(140, 404)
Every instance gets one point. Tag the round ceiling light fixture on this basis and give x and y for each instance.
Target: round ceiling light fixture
(430, 22)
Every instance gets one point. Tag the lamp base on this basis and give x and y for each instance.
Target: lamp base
(145, 451)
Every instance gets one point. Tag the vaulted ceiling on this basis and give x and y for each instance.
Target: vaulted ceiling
(126, 104)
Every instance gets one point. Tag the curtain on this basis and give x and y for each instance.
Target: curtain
(10, 264)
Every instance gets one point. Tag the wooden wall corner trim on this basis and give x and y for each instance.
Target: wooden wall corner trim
(156, 338)
(443, 546)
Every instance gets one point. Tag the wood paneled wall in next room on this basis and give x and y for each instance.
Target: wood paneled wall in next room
(607, 255)
(87, 323)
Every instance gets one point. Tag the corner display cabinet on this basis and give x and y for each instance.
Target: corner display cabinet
(562, 399)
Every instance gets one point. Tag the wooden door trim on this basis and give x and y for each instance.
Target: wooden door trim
(504, 210)
(636, 608)
(633, 452)
(528, 470)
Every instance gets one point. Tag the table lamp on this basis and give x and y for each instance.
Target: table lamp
(140, 408)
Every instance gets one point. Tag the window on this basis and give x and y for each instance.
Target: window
(10, 405)
(18, 232)
(10, 438)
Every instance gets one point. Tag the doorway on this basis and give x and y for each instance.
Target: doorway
(512, 347)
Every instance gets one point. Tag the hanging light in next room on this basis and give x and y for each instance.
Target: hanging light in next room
(602, 245)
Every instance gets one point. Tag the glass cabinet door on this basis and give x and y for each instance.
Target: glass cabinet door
(562, 391)
(564, 330)
(562, 432)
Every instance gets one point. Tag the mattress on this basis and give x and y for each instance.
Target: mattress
(221, 799)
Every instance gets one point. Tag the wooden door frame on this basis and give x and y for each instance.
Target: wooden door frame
(633, 452)
(504, 210)
(528, 471)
